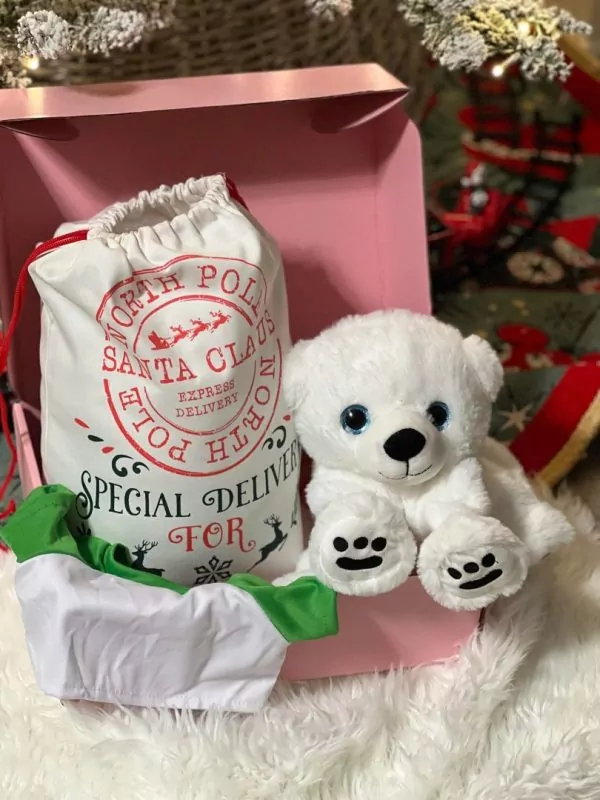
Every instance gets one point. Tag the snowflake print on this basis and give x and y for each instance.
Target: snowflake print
(565, 316)
(534, 267)
(213, 572)
(517, 417)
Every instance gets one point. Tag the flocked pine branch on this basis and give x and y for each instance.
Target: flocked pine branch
(50, 29)
(460, 34)
(463, 34)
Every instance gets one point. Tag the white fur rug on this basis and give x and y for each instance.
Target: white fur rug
(515, 717)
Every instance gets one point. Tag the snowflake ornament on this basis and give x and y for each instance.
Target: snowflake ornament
(214, 572)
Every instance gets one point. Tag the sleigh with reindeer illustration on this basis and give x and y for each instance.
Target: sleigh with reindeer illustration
(197, 327)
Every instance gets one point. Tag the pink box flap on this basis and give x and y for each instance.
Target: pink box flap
(326, 159)
(201, 92)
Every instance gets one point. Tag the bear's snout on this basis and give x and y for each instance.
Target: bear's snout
(404, 444)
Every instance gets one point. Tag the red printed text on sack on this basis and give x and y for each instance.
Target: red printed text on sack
(191, 362)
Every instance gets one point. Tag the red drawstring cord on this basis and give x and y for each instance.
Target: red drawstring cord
(5, 343)
(234, 193)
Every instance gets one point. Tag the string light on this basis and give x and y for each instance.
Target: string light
(498, 70)
(526, 31)
(31, 63)
(524, 28)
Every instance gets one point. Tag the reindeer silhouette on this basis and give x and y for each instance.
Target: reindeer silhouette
(219, 318)
(275, 544)
(199, 327)
(140, 552)
(180, 333)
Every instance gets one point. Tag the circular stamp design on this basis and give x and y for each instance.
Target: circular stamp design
(191, 362)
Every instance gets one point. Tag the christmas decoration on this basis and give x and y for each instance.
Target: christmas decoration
(548, 411)
(463, 34)
(515, 240)
(489, 219)
(459, 34)
(50, 29)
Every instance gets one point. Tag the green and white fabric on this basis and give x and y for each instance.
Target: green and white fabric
(100, 630)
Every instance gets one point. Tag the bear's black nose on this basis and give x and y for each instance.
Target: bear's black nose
(405, 444)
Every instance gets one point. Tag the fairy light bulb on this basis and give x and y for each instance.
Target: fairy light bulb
(524, 28)
(31, 63)
(498, 70)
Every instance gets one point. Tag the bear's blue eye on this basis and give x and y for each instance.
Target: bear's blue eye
(438, 414)
(355, 419)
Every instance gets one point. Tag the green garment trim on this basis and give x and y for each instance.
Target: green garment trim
(39, 526)
(302, 610)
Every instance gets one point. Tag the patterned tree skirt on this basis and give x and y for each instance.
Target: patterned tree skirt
(537, 304)
(541, 313)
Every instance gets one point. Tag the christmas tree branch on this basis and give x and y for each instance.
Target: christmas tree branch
(460, 34)
(463, 34)
(46, 29)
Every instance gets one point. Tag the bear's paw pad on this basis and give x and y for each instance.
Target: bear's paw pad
(361, 557)
(474, 578)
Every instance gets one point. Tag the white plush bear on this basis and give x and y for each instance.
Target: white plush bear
(394, 410)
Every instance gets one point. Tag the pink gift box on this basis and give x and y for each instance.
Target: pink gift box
(326, 159)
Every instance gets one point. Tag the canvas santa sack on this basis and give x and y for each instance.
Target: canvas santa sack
(163, 333)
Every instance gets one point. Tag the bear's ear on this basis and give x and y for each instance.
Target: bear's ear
(486, 364)
(296, 375)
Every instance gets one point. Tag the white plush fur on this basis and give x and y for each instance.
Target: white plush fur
(514, 717)
(393, 365)
(520, 531)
